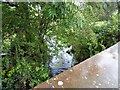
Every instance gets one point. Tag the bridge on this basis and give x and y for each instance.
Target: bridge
(99, 71)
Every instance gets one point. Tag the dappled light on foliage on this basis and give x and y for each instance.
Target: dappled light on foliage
(89, 27)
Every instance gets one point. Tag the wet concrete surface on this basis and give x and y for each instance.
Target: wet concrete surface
(99, 71)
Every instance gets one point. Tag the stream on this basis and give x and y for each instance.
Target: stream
(63, 60)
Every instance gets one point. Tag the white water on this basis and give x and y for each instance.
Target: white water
(63, 60)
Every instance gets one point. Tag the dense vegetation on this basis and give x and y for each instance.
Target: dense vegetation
(88, 27)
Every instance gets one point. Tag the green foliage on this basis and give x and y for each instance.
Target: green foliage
(89, 28)
(25, 71)
(108, 31)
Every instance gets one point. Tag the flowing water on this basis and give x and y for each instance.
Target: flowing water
(63, 60)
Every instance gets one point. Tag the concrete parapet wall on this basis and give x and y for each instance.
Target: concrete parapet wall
(99, 71)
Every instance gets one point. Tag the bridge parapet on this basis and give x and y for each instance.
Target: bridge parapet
(99, 71)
